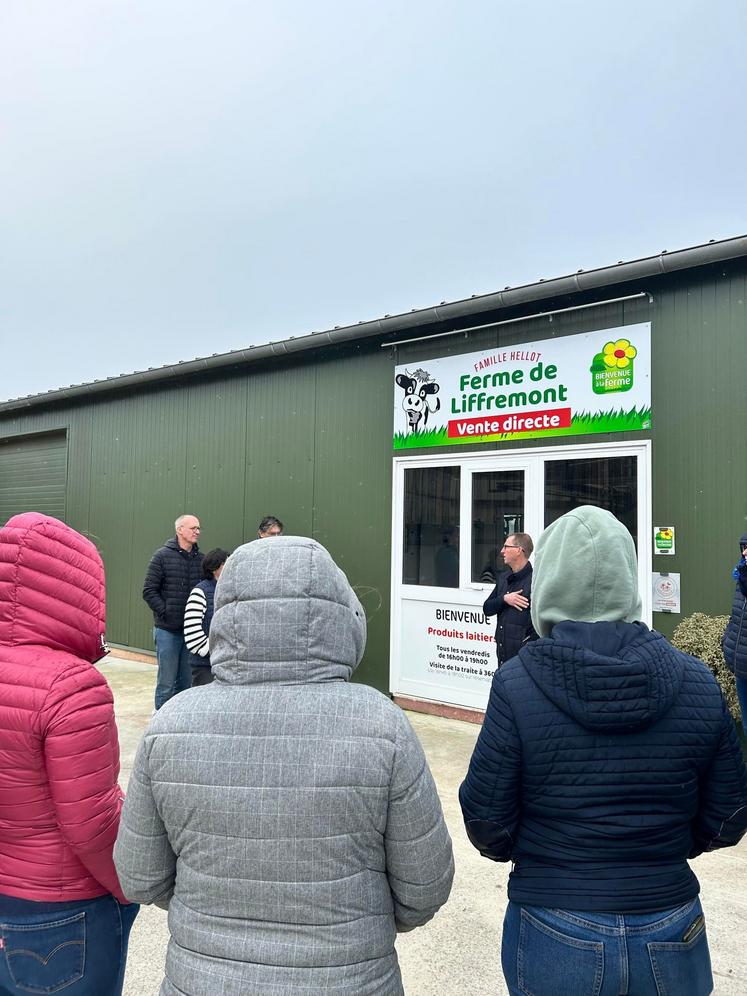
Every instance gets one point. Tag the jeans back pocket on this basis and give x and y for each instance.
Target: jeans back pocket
(45, 957)
(682, 968)
(551, 962)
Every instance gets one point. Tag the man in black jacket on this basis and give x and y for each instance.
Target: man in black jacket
(511, 598)
(173, 572)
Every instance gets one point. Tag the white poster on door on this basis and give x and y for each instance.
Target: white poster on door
(448, 652)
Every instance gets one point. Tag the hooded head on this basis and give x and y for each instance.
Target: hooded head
(285, 613)
(585, 570)
(51, 587)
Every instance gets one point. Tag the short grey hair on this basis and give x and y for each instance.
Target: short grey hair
(180, 519)
(524, 540)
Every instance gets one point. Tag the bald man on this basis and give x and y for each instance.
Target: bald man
(172, 573)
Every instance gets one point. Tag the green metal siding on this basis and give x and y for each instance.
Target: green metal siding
(215, 450)
(352, 486)
(282, 441)
(280, 436)
(33, 473)
(308, 438)
(698, 458)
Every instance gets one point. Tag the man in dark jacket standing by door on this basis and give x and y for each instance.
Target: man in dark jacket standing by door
(511, 598)
(173, 572)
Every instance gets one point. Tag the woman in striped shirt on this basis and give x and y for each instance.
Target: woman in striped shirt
(197, 616)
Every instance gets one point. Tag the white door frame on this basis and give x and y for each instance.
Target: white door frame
(472, 594)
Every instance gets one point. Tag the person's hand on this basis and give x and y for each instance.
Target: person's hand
(516, 600)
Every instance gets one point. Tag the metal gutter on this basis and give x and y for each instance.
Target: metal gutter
(511, 297)
(521, 318)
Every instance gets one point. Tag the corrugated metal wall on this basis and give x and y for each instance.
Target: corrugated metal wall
(33, 472)
(309, 439)
(310, 443)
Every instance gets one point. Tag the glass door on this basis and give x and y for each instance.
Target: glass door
(610, 482)
(497, 511)
(431, 526)
(451, 517)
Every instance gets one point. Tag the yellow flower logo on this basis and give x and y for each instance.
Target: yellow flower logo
(619, 354)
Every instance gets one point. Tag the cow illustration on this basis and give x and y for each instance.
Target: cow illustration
(416, 404)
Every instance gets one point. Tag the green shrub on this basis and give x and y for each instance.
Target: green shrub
(700, 635)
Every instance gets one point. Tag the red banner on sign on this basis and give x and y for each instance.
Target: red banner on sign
(496, 425)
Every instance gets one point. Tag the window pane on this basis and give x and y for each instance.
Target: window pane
(432, 527)
(497, 511)
(609, 482)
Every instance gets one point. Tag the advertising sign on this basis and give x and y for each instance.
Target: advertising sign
(666, 591)
(576, 384)
(664, 540)
(450, 651)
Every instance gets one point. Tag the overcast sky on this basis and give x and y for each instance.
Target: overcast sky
(181, 178)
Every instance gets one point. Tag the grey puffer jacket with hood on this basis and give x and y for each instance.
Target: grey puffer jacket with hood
(607, 757)
(287, 817)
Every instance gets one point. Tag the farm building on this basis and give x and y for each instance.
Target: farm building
(411, 445)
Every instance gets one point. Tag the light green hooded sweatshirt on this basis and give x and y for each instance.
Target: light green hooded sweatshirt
(585, 570)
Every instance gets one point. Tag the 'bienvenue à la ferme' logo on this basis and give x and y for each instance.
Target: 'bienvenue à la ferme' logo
(612, 369)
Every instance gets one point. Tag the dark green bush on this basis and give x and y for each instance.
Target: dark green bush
(700, 635)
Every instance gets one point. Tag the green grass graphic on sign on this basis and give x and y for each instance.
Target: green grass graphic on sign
(581, 424)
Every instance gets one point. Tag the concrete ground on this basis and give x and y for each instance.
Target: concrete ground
(458, 952)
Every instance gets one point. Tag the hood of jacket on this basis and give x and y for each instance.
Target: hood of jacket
(585, 569)
(611, 677)
(52, 591)
(285, 613)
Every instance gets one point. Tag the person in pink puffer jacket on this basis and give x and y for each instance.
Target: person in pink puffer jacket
(64, 922)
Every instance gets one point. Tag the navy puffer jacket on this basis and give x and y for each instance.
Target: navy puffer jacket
(171, 575)
(606, 759)
(513, 626)
(735, 637)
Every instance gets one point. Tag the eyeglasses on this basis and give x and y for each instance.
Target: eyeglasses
(510, 546)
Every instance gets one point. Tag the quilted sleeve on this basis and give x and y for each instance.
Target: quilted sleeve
(81, 754)
(143, 854)
(153, 584)
(490, 794)
(419, 859)
(722, 814)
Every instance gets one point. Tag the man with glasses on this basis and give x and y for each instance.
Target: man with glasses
(511, 597)
(269, 526)
(173, 572)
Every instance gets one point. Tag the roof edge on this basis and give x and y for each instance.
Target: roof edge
(715, 251)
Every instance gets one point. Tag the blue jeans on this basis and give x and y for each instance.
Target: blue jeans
(78, 948)
(549, 952)
(742, 696)
(174, 672)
